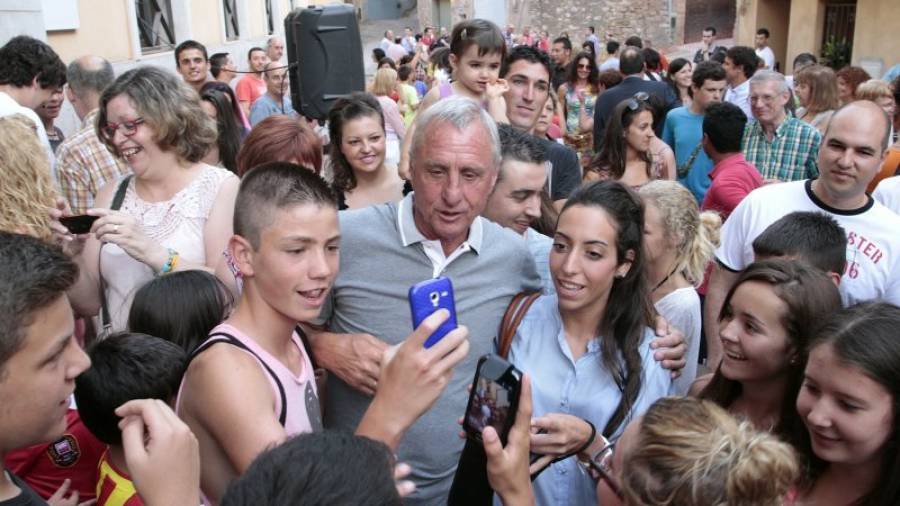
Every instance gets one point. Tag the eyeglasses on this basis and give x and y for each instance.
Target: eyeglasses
(635, 102)
(599, 467)
(128, 128)
(585, 66)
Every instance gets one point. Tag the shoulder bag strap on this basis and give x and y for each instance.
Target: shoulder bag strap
(682, 170)
(105, 320)
(223, 337)
(517, 309)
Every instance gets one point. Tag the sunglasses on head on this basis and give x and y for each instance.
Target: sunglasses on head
(639, 98)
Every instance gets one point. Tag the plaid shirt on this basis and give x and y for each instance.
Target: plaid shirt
(790, 156)
(84, 165)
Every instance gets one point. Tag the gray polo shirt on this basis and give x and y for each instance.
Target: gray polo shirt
(382, 255)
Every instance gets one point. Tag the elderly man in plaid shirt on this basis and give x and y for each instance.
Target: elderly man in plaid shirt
(84, 164)
(781, 147)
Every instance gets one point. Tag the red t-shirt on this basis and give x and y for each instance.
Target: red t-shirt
(250, 88)
(732, 179)
(74, 456)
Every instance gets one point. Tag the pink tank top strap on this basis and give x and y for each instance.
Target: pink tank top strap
(445, 89)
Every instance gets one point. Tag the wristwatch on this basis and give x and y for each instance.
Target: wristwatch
(598, 464)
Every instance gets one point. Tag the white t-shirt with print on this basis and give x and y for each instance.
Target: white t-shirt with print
(873, 242)
(888, 193)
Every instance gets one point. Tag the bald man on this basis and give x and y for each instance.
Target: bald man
(275, 48)
(850, 155)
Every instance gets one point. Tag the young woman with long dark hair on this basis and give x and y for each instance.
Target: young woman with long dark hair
(587, 348)
(849, 402)
(768, 318)
(626, 154)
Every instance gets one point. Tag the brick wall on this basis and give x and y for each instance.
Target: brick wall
(622, 18)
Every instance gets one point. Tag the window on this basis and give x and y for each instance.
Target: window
(154, 22)
(270, 17)
(232, 29)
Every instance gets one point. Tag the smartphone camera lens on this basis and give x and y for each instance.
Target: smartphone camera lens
(435, 298)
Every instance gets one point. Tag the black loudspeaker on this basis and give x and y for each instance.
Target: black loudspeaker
(325, 57)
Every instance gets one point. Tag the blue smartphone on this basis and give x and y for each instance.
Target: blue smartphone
(426, 298)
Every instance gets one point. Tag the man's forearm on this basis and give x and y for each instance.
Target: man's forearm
(323, 343)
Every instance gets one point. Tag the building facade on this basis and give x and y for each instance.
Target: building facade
(140, 32)
(863, 28)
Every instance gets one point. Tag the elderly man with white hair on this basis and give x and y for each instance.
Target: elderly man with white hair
(435, 231)
(780, 146)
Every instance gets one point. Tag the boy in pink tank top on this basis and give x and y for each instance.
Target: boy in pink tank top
(251, 385)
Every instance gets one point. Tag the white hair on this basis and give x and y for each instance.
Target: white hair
(770, 76)
(459, 113)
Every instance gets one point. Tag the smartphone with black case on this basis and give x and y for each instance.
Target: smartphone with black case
(427, 297)
(80, 224)
(494, 398)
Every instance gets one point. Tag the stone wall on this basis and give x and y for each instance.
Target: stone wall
(649, 19)
(622, 18)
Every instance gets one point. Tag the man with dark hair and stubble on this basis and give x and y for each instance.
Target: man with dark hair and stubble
(516, 199)
(560, 54)
(192, 63)
(740, 64)
(30, 71)
(252, 86)
(39, 361)
(709, 51)
(763, 50)
(527, 70)
(631, 64)
(733, 177)
(683, 129)
(84, 163)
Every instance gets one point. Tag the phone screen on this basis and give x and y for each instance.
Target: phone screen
(78, 224)
(490, 405)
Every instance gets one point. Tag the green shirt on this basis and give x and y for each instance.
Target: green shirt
(790, 156)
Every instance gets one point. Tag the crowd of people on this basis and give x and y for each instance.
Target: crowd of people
(205, 293)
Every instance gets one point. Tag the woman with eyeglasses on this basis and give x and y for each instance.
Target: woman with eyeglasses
(175, 212)
(578, 96)
(587, 347)
(627, 146)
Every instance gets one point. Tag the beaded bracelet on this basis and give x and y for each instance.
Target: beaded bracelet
(171, 262)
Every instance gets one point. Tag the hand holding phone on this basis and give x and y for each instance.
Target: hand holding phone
(80, 224)
(427, 297)
(494, 398)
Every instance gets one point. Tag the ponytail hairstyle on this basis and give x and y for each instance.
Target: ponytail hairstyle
(691, 452)
(810, 298)
(694, 234)
(864, 336)
(629, 311)
(477, 32)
